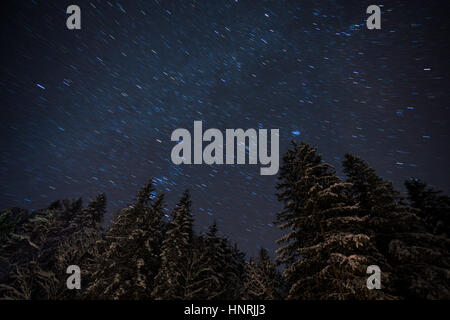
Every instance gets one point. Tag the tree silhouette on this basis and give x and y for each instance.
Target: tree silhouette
(170, 282)
(334, 230)
(327, 249)
(419, 259)
(262, 279)
(129, 252)
(434, 208)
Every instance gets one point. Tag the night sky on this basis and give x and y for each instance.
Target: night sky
(92, 110)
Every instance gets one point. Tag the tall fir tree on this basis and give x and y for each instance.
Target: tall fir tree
(170, 282)
(44, 244)
(233, 271)
(262, 279)
(326, 250)
(419, 259)
(130, 251)
(9, 220)
(225, 265)
(205, 279)
(433, 206)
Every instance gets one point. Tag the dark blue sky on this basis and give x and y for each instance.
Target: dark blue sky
(92, 111)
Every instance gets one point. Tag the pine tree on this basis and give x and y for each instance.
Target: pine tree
(43, 246)
(326, 251)
(233, 271)
(79, 246)
(129, 254)
(218, 268)
(420, 260)
(434, 208)
(378, 200)
(170, 282)
(95, 211)
(206, 279)
(8, 223)
(262, 279)
(27, 253)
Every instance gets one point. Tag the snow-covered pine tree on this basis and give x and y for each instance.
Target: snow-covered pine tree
(205, 279)
(9, 219)
(79, 246)
(262, 279)
(326, 250)
(130, 252)
(97, 209)
(433, 206)
(30, 255)
(420, 260)
(45, 243)
(170, 282)
(226, 263)
(232, 271)
(92, 216)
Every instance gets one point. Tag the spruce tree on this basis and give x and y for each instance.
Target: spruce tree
(206, 278)
(80, 245)
(262, 279)
(170, 282)
(43, 245)
(8, 224)
(221, 273)
(95, 211)
(326, 250)
(233, 271)
(129, 253)
(419, 260)
(434, 208)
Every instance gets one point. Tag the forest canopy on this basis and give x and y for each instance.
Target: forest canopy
(334, 229)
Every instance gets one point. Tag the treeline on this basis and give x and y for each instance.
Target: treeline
(334, 230)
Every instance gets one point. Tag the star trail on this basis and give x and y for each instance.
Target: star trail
(92, 110)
